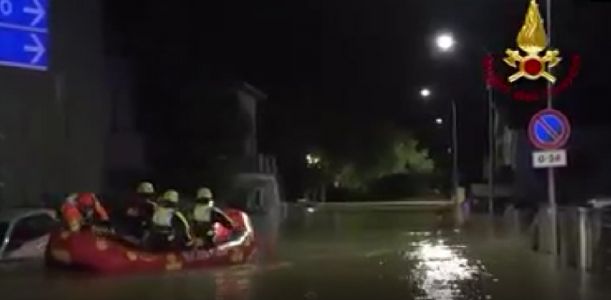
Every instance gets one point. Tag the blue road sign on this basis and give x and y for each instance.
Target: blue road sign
(549, 129)
(24, 34)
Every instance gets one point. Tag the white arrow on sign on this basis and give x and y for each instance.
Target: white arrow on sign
(38, 11)
(37, 48)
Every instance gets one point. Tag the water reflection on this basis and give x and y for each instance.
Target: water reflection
(349, 255)
(234, 284)
(237, 283)
(443, 272)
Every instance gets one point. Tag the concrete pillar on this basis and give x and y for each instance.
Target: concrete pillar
(583, 238)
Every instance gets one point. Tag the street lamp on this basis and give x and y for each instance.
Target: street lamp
(425, 93)
(439, 121)
(445, 42)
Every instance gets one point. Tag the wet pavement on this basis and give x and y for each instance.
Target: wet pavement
(346, 255)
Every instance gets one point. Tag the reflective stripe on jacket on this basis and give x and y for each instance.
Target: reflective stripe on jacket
(202, 213)
(163, 217)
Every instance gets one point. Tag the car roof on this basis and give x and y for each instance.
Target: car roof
(6, 215)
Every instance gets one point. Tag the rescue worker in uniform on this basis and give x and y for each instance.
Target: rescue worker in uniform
(169, 228)
(205, 215)
(140, 210)
(82, 209)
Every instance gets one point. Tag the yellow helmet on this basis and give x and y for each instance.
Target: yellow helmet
(146, 188)
(204, 193)
(170, 196)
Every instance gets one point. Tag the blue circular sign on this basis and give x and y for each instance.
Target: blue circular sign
(549, 129)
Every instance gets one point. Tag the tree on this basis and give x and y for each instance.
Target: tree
(387, 152)
(412, 159)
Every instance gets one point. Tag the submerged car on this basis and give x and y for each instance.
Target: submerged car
(24, 232)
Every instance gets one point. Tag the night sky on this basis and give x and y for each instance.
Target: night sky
(336, 66)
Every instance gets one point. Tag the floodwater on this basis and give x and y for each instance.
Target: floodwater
(394, 254)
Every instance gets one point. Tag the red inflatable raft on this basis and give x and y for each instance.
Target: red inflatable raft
(93, 252)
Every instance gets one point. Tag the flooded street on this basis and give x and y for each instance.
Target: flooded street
(345, 255)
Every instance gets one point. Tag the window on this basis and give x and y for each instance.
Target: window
(259, 204)
(3, 228)
(255, 200)
(30, 228)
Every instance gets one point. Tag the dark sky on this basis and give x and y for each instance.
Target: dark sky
(348, 65)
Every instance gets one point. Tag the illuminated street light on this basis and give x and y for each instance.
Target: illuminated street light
(445, 42)
(439, 121)
(425, 93)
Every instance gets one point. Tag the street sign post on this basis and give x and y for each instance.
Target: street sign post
(549, 129)
(24, 34)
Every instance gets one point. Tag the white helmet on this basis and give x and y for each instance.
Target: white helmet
(146, 188)
(170, 196)
(204, 193)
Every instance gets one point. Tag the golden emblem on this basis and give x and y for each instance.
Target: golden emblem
(532, 39)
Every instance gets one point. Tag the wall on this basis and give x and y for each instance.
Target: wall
(53, 124)
(248, 103)
(125, 156)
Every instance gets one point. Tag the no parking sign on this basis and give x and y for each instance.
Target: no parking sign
(549, 130)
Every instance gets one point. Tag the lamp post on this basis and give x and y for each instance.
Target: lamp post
(455, 180)
(426, 93)
(445, 42)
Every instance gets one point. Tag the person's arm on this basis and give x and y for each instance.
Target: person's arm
(219, 216)
(101, 211)
(71, 216)
(152, 204)
(132, 209)
(184, 225)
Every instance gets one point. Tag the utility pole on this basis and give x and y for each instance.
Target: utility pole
(491, 149)
(551, 182)
(455, 179)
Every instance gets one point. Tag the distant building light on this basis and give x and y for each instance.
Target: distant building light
(312, 160)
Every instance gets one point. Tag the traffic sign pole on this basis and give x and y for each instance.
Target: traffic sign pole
(549, 130)
(551, 181)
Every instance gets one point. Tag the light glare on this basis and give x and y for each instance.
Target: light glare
(445, 42)
(425, 92)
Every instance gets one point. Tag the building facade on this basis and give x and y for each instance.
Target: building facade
(54, 124)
